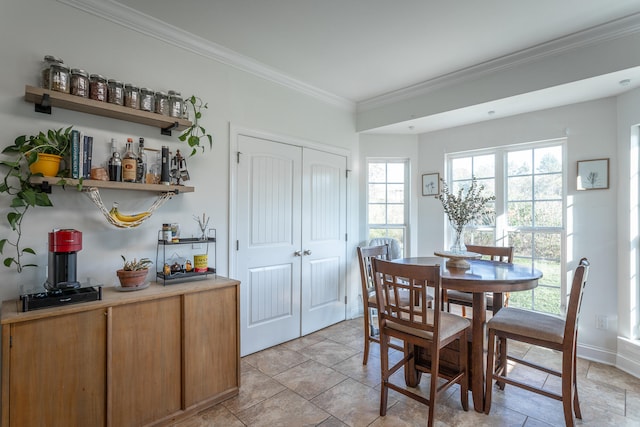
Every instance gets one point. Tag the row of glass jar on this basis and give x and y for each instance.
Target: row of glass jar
(56, 76)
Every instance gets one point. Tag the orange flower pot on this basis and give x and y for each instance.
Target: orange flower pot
(46, 164)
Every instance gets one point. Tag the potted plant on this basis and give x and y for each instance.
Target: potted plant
(194, 133)
(133, 273)
(43, 151)
(16, 184)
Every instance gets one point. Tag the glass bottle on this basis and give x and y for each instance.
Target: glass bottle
(129, 163)
(115, 163)
(162, 103)
(46, 69)
(98, 87)
(175, 104)
(79, 82)
(131, 96)
(115, 92)
(59, 78)
(147, 99)
(141, 168)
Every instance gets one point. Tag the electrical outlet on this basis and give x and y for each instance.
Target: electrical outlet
(601, 321)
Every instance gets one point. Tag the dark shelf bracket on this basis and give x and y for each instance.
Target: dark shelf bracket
(168, 129)
(45, 105)
(45, 187)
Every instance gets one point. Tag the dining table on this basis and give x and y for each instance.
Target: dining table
(480, 277)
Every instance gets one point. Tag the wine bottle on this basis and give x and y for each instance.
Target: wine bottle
(129, 163)
(141, 165)
(115, 163)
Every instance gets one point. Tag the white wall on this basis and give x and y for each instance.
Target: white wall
(30, 29)
(592, 134)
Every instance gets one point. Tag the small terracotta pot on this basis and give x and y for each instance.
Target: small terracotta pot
(132, 279)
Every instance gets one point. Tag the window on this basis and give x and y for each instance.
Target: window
(528, 182)
(387, 192)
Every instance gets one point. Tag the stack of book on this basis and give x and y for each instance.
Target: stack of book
(81, 153)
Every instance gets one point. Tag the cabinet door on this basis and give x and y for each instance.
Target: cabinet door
(211, 345)
(57, 371)
(146, 360)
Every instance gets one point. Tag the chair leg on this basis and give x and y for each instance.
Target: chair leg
(502, 351)
(367, 313)
(435, 368)
(464, 311)
(567, 387)
(464, 361)
(384, 368)
(576, 400)
(490, 371)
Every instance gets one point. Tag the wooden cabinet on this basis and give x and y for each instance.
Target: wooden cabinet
(51, 371)
(140, 358)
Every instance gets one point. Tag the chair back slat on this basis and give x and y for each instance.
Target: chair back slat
(575, 300)
(365, 255)
(397, 282)
(494, 253)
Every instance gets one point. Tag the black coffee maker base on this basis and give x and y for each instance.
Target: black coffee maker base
(60, 297)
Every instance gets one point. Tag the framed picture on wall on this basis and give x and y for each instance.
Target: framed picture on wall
(593, 174)
(431, 184)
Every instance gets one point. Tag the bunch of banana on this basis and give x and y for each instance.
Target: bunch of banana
(117, 215)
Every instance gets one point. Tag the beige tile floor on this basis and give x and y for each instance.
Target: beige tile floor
(319, 380)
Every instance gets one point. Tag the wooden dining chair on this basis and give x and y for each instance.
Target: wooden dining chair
(545, 330)
(365, 256)
(465, 299)
(420, 327)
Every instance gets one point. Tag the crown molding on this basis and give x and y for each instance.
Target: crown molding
(134, 20)
(609, 31)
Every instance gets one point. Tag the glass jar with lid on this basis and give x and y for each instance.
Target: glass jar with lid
(175, 104)
(79, 82)
(147, 99)
(115, 92)
(59, 78)
(131, 96)
(98, 87)
(162, 103)
(46, 69)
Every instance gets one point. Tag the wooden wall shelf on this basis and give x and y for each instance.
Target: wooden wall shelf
(112, 185)
(44, 99)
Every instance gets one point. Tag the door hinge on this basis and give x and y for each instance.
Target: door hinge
(347, 172)
(237, 245)
(238, 157)
(345, 300)
(346, 237)
(10, 341)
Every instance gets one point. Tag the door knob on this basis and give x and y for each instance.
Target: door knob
(307, 252)
(297, 253)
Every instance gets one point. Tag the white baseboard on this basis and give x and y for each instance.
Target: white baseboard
(628, 357)
(597, 354)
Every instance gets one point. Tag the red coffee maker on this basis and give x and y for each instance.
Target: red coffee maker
(63, 247)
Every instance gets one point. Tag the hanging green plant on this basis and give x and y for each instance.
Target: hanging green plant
(196, 132)
(16, 183)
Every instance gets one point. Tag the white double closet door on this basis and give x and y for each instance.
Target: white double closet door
(291, 240)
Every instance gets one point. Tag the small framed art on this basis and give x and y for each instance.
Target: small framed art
(431, 184)
(593, 174)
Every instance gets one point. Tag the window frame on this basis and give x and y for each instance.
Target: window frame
(404, 227)
(501, 228)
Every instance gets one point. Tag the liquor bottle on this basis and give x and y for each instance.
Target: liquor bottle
(141, 165)
(165, 177)
(129, 163)
(115, 163)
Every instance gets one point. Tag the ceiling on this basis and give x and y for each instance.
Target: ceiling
(358, 50)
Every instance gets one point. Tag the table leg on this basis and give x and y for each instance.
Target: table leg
(477, 350)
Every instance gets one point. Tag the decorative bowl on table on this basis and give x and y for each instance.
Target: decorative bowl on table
(457, 260)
